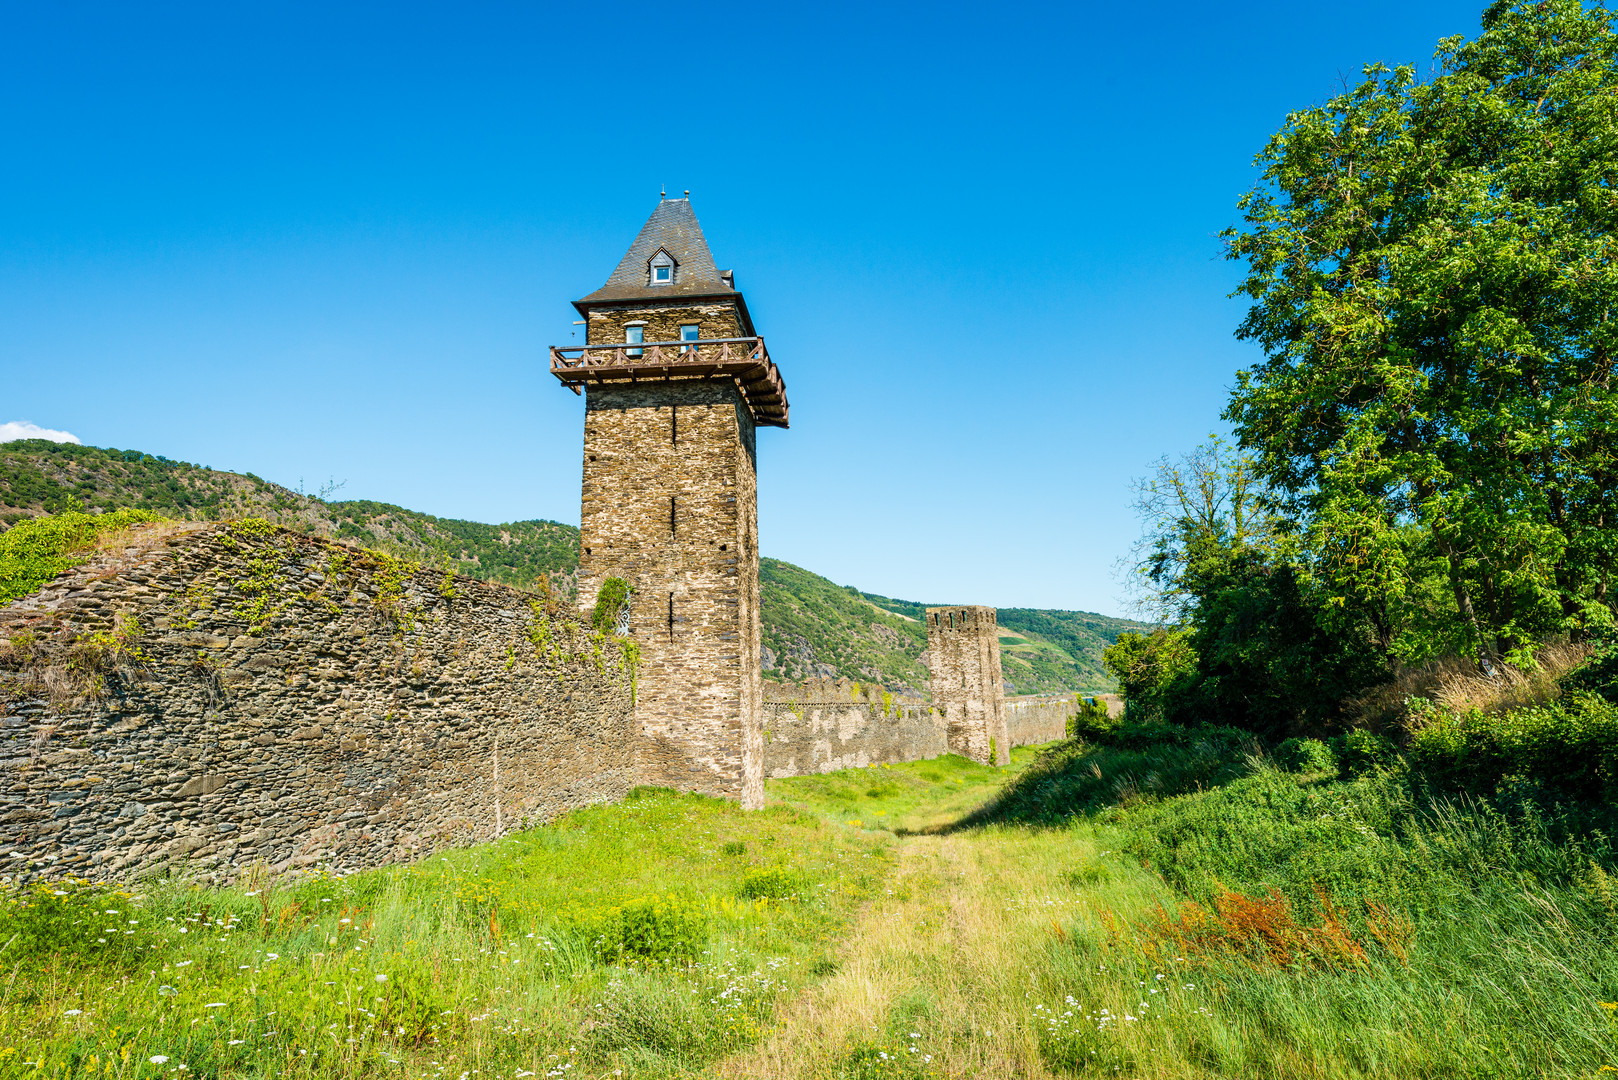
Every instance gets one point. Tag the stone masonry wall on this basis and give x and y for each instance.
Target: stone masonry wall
(278, 700)
(1031, 721)
(670, 504)
(606, 325)
(963, 656)
(828, 724)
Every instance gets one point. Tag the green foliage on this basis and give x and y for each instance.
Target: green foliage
(1305, 756)
(410, 1006)
(1091, 722)
(652, 929)
(1151, 669)
(1565, 750)
(611, 599)
(1361, 752)
(1429, 264)
(34, 551)
(771, 883)
(70, 919)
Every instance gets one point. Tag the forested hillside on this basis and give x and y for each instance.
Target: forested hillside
(1044, 649)
(43, 477)
(812, 626)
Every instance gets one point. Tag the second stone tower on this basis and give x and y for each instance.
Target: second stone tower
(676, 382)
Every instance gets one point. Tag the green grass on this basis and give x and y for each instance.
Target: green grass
(907, 798)
(649, 937)
(1169, 905)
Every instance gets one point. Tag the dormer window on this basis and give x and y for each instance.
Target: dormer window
(662, 267)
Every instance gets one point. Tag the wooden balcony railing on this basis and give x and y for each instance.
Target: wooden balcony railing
(743, 359)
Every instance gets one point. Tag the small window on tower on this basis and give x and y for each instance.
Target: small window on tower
(662, 269)
(634, 334)
(688, 332)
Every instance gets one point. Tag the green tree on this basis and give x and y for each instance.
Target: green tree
(1432, 274)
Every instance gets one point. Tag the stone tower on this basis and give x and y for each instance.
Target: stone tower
(963, 654)
(676, 381)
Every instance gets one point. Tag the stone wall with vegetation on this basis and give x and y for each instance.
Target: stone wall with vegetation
(213, 698)
(827, 724)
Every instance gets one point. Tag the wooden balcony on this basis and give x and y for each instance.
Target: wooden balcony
(744, 360)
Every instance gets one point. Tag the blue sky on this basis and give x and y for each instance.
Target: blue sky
(333, 241)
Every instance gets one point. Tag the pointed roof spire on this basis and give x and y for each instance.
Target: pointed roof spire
(672, 228)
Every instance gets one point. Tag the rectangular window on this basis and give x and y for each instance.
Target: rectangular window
(662, 273)
(688, 332)
(634, 335)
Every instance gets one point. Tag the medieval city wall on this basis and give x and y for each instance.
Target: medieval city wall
(1031, 721)
(274, 699)
(823, 725)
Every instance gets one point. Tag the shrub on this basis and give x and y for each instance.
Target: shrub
(1305, 756)
(1566, 749)
(611, 600)
(1360, 752)
(1091, 722)
(411, 1006)
(33, 552)
(655, 929)
(770, 883)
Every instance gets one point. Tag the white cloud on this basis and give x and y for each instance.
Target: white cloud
(23, 429)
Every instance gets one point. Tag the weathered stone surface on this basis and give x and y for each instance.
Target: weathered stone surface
(403, 711)
(963, 655)
(1032, 721)
(670, 504)
(827, 724)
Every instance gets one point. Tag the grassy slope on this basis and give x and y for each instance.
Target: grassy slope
(488, 959)
(1068, 933)
(811, 625)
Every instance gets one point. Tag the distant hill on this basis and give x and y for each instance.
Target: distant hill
(812, 626)
(815, 627)
(38, 477)
(1043, 650)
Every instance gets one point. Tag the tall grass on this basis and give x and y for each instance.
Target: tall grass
(618, 938)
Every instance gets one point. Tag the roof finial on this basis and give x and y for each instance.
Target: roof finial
(663, 194)
(688, 193)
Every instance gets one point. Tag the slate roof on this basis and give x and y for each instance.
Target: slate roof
(672, 227)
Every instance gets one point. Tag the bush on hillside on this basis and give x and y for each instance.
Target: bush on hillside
(1305, 756)
(1568, 749)
(1091, 722)
(1361, 752)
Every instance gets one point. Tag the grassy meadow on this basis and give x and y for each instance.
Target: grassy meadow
(1178, 908)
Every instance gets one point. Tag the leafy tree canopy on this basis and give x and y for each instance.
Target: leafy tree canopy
(1432, 275)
